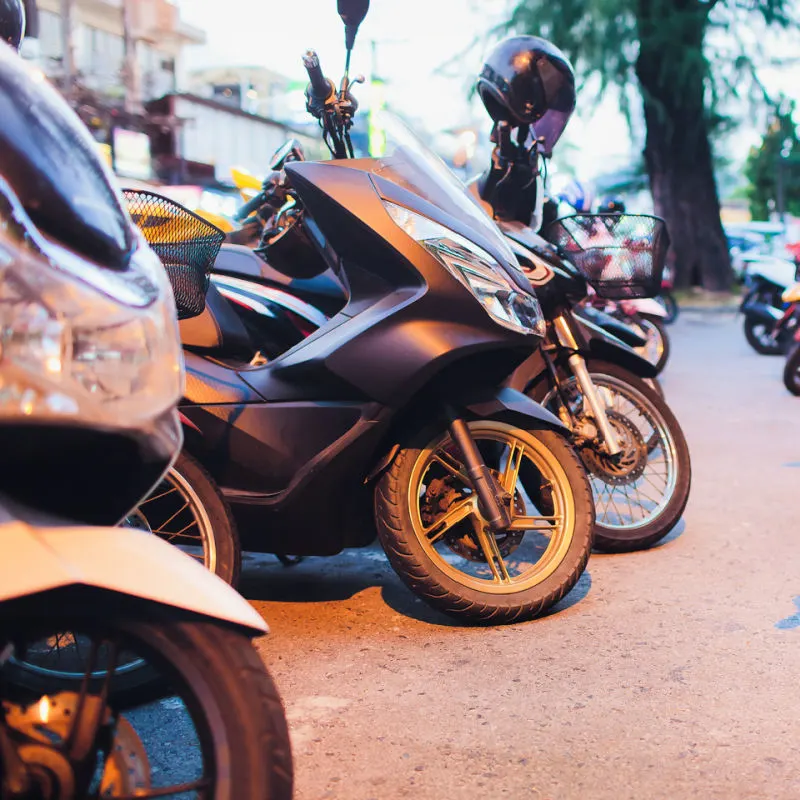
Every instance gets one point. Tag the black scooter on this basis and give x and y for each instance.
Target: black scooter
(640, 491)
(390, 415)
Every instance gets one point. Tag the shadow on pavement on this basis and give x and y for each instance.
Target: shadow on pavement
(342, 577)
(674, 534)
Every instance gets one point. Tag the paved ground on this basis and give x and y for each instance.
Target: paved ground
(671, 673)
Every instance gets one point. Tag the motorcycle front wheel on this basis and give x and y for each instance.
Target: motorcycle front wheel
(437, 540)
(641, 493)
(791, 371)
(219, 731)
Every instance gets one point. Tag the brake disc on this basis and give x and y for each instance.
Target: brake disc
(127, 769)
(629, 464)
(440, 496)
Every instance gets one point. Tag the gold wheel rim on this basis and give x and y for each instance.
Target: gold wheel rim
(558, 526)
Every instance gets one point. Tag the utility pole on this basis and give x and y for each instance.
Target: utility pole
(68, 54)
(130, 69)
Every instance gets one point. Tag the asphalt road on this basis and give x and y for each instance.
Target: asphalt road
(671, 673)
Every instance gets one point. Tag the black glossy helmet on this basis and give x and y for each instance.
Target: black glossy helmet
(12, 22)
(526, 80)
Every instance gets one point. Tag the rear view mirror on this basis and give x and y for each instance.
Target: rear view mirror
(290, 150)
(352, 13)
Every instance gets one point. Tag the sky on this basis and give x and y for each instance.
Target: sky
(415, 38)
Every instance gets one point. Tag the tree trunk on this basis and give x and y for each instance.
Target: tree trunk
(677, 148)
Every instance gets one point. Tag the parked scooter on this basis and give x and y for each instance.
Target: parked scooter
(642, 523)
(390, 415)
(96, 621)
(630, 442)
(767, 327)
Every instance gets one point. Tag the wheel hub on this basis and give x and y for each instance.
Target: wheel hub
(45, 726)
(629, 464)
(440, 495)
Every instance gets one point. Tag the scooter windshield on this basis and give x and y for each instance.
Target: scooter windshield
(411, 164)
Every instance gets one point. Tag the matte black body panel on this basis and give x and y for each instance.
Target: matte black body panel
(615, 327)
(325, 291)
(599, 343)
(513, 406)
(256, 451)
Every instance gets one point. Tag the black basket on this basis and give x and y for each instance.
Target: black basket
(187, 245)
(620, 255)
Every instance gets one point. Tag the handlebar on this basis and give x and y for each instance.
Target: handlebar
(250, 207)
(321, 87)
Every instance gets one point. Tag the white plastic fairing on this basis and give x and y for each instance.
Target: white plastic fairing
(647, 305)
(775, 270)
(124, 561)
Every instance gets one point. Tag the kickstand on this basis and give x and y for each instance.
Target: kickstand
(289, 561)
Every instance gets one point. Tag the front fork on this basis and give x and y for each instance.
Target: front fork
(597, 407)
(489, 492)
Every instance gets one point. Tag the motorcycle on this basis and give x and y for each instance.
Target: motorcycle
(391, 416)
(768, 323)
(105, 633)
(630, 441)
(250, 282)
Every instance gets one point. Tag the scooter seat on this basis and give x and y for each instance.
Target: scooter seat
(218, 331)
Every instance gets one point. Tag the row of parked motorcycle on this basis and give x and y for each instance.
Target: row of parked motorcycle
(771, 311)
(384, 353)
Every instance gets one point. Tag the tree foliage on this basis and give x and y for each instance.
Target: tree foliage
(775, 165)
(684, 57)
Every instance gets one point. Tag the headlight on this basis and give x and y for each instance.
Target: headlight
(477, 270)
(69, 349)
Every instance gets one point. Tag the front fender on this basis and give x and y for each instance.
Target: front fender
(605, 346)
(510, 405)
(119, 560)
(615, 327)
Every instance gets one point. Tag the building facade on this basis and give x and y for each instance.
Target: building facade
(102, 32)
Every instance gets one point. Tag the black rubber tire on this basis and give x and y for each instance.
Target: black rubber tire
(670, 304)
(611, 540)
(750, 325)
(791, 371)
(234, 695)
(417, 570)
(223, 526)
(658, 323)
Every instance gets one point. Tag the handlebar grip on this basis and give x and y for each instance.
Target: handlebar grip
(320, 85)
(250, 207)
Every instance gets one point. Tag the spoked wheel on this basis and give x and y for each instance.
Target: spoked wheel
(187, 510)
(791, 372)
(432, 529)
(656, 350)
(640, 493)
(759, 336)
(221, 732)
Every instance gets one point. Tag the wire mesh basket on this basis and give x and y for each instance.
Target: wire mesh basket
(187, 245)
(620, 255)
